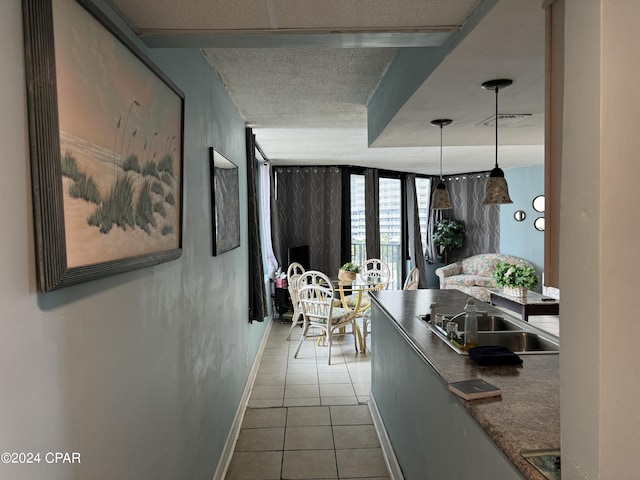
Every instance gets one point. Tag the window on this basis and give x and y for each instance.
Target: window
(423, 192)
(391, 226)
(391, 231)
(357, 220)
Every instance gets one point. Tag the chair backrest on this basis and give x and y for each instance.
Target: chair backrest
(315, 293)
(374, 268)
(294, 269)
(294, 272)
(412, 280)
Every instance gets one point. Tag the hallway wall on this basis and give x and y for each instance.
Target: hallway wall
(141, 373)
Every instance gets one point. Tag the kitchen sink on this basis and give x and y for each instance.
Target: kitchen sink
(496, 330)
(489, 323)
(519, 342)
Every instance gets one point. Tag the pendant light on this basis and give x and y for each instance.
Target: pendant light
(496, 190)
(441, 200)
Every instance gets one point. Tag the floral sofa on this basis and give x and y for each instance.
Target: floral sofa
(474, 275)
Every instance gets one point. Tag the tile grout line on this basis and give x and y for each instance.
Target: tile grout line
(350, 370)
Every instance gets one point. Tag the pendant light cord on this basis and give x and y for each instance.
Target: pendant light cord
(497, 126)
(440, 152)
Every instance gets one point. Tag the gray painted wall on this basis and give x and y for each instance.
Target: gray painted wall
(141, 373)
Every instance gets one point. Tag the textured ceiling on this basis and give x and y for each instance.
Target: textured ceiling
(325, 15)
(306, 95)
(308, 78)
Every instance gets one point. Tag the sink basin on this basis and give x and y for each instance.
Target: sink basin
(490, 323)
(519, 342)
(505, 333)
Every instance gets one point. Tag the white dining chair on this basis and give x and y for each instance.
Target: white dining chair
(412, 280)
(373, 270)
(321, 317)
(294, 272)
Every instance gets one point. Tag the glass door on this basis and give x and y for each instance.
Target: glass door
(357, 220)
(391, 230)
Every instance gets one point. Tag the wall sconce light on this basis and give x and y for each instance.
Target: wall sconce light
(496, 189)
(538, 203)
(441, 200)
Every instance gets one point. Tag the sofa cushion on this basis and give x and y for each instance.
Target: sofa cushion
(469, 280)
(487, 282)
(485, 264)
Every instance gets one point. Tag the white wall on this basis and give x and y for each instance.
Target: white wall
(141, 373)
(599, 234)
(620, 233)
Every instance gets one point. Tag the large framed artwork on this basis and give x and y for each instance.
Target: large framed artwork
(225, 206)
(106, 147)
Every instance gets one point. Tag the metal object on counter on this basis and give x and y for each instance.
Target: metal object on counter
(546, 462)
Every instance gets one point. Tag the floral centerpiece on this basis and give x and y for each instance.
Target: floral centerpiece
(515, 278)
(348, 272)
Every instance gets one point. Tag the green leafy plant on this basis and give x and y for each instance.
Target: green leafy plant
(350, 267)
(515, 275)
(448, 234)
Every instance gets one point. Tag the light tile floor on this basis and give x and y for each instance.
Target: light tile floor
(306, 419)
(309, 420)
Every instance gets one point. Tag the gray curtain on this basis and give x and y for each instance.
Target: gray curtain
(482, 222)
(372, 212)
(276, 238)
(431, 251)
(257, 290)
(413, 229)
(308, 211)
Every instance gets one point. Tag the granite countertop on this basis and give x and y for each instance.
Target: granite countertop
(527, 417)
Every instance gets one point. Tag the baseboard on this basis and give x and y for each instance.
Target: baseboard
(395, 472)
(232, 438)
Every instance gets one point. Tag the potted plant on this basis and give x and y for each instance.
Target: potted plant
(515, 278)
(448, 235)
(348, 272)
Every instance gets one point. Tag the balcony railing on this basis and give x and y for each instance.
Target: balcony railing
(390, 253)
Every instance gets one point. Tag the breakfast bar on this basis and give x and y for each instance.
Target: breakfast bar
(433, 433)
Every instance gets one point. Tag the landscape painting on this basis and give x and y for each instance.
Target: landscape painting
(119, 149)
(225, 205)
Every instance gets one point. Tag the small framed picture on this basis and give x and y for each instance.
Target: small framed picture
(225, 206)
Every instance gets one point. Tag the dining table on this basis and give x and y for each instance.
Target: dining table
(354, 297)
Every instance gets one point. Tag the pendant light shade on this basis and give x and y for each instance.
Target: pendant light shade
(496, 190)
(441, 200)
